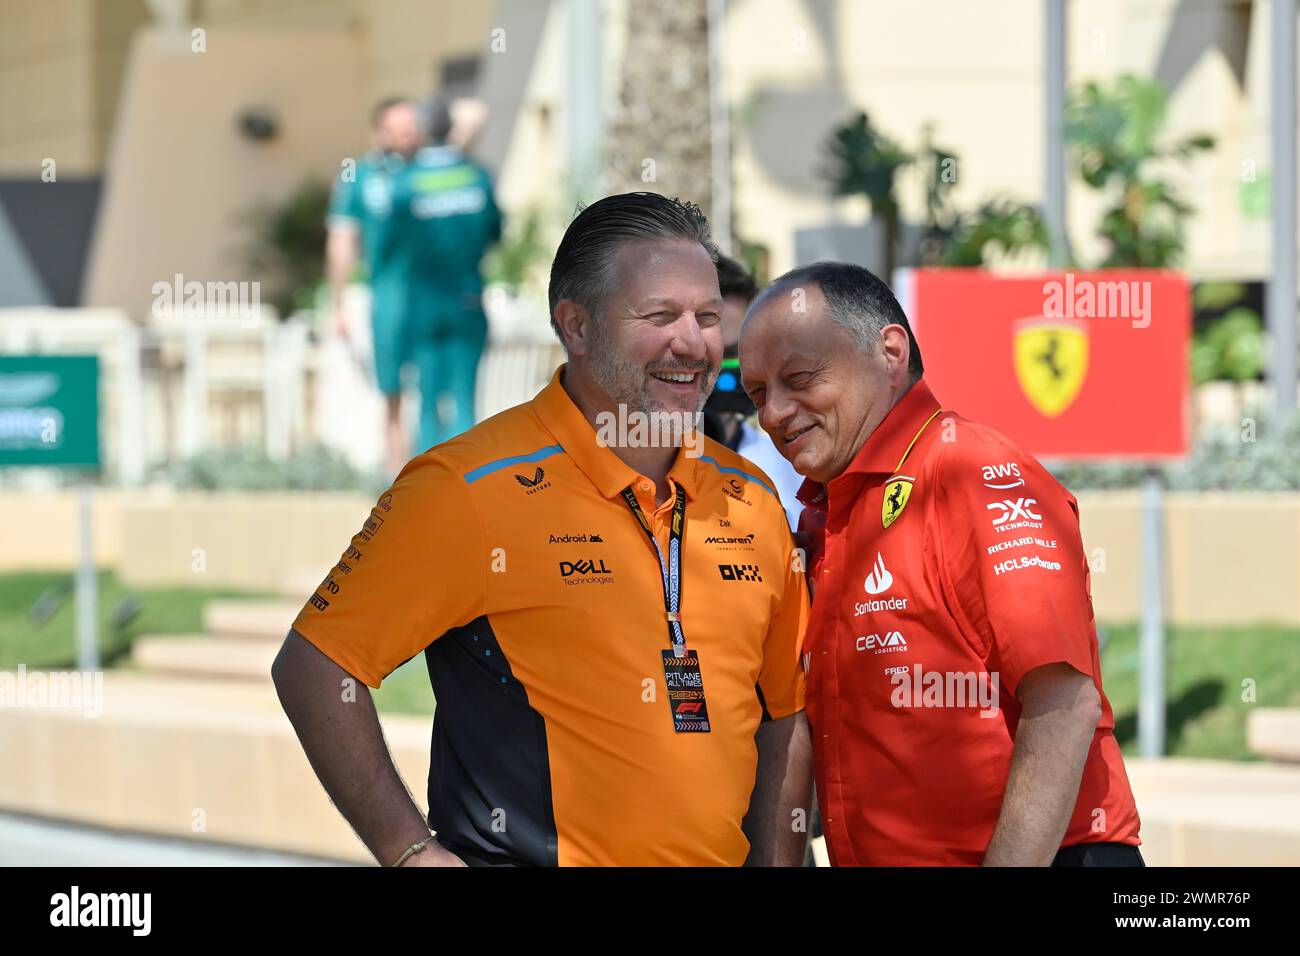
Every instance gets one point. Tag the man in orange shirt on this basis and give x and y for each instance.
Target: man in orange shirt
(608, 604)
(954, 684)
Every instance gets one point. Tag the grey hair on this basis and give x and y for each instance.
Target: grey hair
(856, 299)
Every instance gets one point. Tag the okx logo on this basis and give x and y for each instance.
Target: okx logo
(740, 572)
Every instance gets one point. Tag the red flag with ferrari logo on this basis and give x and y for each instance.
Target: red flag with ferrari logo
(1068, 364)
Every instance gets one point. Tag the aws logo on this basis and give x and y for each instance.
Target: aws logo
(1003, 476)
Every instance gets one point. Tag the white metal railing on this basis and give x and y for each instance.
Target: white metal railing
(259, 355)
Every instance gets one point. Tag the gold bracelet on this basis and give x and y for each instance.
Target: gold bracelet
(413, 849)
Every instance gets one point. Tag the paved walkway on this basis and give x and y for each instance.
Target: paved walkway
(30, 841)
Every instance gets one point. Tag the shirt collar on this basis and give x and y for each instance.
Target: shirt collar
(884, 447)
(609, 473)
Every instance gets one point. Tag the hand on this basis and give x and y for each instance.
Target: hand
(433, 855)
(339, 321)
(468, 117)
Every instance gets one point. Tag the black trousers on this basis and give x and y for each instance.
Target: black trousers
(1098, 854)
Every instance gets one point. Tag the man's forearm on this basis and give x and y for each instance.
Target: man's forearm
(780, 810)
(345, 745)
(1052, 740)
(341, 250)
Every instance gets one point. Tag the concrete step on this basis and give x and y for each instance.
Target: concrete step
(199, 656)
(296, 586)
(266, 620)
(200, 759)
(1216, 813)
(1274, 733)
(216, 759)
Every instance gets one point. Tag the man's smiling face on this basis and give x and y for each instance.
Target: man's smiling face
(819, 394)
(657, 345)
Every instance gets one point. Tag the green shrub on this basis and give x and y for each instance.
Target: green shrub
(1256, 455)
(315, 468)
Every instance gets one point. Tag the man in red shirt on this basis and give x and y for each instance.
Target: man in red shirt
(954, 683)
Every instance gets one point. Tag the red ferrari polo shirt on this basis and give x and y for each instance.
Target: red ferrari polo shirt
(951, 566)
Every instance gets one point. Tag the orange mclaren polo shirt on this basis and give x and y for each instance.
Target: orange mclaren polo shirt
(951, 567)
(510, 557)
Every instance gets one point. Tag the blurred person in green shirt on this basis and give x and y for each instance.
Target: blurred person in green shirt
(422, 215)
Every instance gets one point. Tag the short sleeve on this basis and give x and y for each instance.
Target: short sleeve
(416, 569)
(345, 208)
(1013, 557)
(781, 678)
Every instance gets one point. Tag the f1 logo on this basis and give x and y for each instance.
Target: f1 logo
(689, 708)
(1011, 510)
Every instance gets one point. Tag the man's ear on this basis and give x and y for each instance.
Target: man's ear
(575, 326)
(897, 351)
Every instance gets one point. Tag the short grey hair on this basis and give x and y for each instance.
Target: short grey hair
(857, 300)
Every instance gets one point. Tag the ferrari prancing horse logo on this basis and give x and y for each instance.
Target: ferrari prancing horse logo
(1051, 358)
(897, 490)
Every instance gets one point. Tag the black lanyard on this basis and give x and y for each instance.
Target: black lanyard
(671, 571)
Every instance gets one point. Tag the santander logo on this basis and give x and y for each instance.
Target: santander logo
(879, 580)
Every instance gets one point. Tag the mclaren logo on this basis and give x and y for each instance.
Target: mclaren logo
(1051, 358)
(897, 490)
(726, 539)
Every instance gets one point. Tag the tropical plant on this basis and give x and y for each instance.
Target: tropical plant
(1009, 227)
(249, 468)
(1259, 455)
(286, 245)
(521, 252)
(864, 161)
(1229, 343)
(1115, 133)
